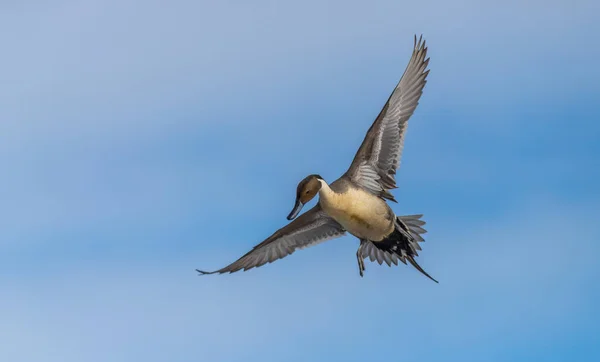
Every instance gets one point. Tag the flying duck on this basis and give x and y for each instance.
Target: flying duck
(356, 203)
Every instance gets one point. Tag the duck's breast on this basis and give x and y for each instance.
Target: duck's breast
(359, 212)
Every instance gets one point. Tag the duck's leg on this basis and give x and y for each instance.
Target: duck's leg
(360, 258)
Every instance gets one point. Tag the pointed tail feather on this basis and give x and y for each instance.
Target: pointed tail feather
(418, 267)
(402, 244)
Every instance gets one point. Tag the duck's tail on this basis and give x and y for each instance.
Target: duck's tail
(404, 241)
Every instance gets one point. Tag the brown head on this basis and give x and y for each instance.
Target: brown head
(307, 189)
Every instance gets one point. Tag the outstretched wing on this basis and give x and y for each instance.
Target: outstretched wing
(375, 164)
(310, 228)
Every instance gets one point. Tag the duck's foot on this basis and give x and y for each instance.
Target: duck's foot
(361, 267)
(361, 261)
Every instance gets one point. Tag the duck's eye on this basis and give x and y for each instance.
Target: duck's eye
(307, 192)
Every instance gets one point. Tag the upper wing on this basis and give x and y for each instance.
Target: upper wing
(310, 228)
(375, 164)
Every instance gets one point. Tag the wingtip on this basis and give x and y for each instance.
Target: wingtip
(202, 272)
(420, 44)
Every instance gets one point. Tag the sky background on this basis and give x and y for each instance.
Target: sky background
(139, 141)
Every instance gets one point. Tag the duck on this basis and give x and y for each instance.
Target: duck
(357, 202)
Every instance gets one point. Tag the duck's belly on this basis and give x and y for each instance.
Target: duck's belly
(362, 214)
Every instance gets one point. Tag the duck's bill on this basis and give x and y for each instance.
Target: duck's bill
(299, 205)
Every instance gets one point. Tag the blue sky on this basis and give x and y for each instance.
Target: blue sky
(139, 142)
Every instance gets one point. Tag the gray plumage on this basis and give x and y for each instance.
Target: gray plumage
(357, 199)
(311, 228)
(367, 248)
(378, 158)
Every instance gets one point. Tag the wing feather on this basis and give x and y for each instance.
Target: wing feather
(378, 158)
(311, 228)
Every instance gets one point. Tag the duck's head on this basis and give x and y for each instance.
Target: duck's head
(307, 189)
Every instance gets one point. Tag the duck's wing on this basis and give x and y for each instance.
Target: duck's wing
(375, 164)
(310, 228)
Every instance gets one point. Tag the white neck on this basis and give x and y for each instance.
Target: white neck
(325, 191)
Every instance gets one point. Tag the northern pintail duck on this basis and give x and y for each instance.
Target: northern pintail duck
(356, 203)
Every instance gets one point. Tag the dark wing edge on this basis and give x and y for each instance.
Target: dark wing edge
(311, 228)
(378, 157)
